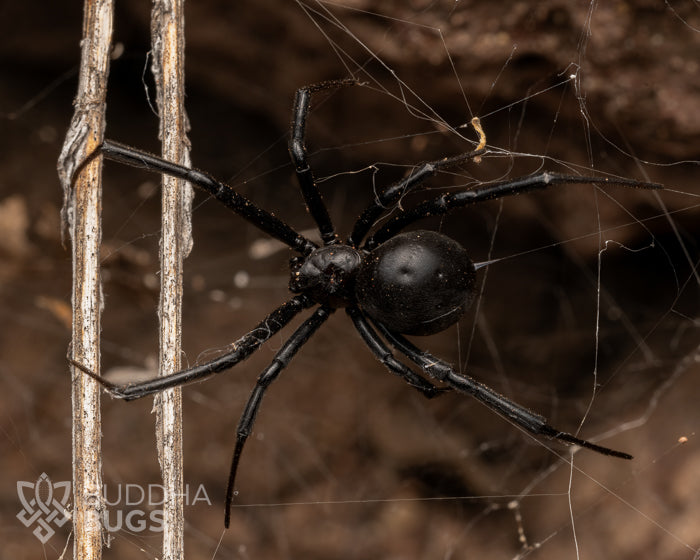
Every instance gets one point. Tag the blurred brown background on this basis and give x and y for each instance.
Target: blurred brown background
(347, 461)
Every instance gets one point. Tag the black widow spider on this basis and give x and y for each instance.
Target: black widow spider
(390, 284)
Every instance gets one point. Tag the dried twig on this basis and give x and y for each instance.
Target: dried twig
(82, 206)
(167, 37)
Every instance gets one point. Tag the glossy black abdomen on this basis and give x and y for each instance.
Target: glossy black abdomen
(418, 282)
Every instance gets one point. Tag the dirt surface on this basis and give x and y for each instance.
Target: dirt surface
(358, 464)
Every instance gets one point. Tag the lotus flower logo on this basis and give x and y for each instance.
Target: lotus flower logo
(45, 503)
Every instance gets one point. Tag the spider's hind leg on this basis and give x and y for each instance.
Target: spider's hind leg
(380, 350)
(518, 414)
(447, 202)
(391, 195)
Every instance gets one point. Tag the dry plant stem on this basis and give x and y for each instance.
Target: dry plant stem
(82, 217)
(167, 37)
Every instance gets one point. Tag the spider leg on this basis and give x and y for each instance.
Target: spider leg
(242, 348)
(280, 361)
(297, 151)
(531, 421)
(380, 350)
(222, 192)
(448, 201)
(391, 195)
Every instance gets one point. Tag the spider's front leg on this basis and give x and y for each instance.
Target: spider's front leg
(223, 193)
(242, 348)
(280, 361)
(297, 151)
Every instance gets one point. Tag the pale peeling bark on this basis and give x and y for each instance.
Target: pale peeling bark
(82, 218)
(168, 42)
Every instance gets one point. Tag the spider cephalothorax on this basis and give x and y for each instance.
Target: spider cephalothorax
(327, 275)
(389, 282)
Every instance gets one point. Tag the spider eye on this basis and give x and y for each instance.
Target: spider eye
(419, 282)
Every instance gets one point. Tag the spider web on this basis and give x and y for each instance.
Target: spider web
(587, 311)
